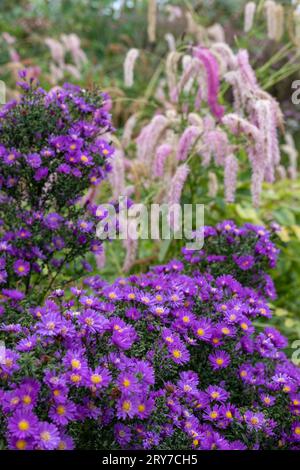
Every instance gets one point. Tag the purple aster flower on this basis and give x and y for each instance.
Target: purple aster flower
(122, 434)
(53, 221)
(178, 352)
(13, 294)
(34, 160)
(217, 393)
(203, 329)
(144, 407)
(62, 413)
(212, 413)
(11, 158)
(296, 431)
(144, 372)
(244, 262)
(22, 424)
(267, 400)
(128, 383)
(253, 420)
(21, 267)
(188, 382)
(93, 321)
(219, 359)
(47, 436)
(124, 337)
(41, 173)
(50, 324)
(27, 344)
(98, 378)
(15, 443)
(65, 443)
(126, 407)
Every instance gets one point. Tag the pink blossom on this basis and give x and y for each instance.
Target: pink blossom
(187, 141)
(162, 153)
(212, 72)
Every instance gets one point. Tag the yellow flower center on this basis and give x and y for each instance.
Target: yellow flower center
(75, 363)
(176, 353)
(126, 405)
(23, 425)
(126, 383)
(141, 407)
(159, 310)
(21, 444)
(75, 378)
(213, 415)
(200, 332)
(45, 436)
(219, 361)
(27, 399)
(96, 378)
(186, 319)
(61, 410)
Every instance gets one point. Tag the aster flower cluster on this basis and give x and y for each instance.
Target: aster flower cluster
(53, 146)
(169, 359)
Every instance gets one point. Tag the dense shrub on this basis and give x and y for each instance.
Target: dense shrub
(52, 148)
(169, 359)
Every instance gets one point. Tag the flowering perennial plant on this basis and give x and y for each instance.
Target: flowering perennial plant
(197, 118)
(170, 359)
(53, 146)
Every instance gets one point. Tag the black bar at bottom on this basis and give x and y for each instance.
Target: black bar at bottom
(138, 459)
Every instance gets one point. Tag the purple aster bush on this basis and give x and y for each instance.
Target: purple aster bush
(53, 146)
(170, 359)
